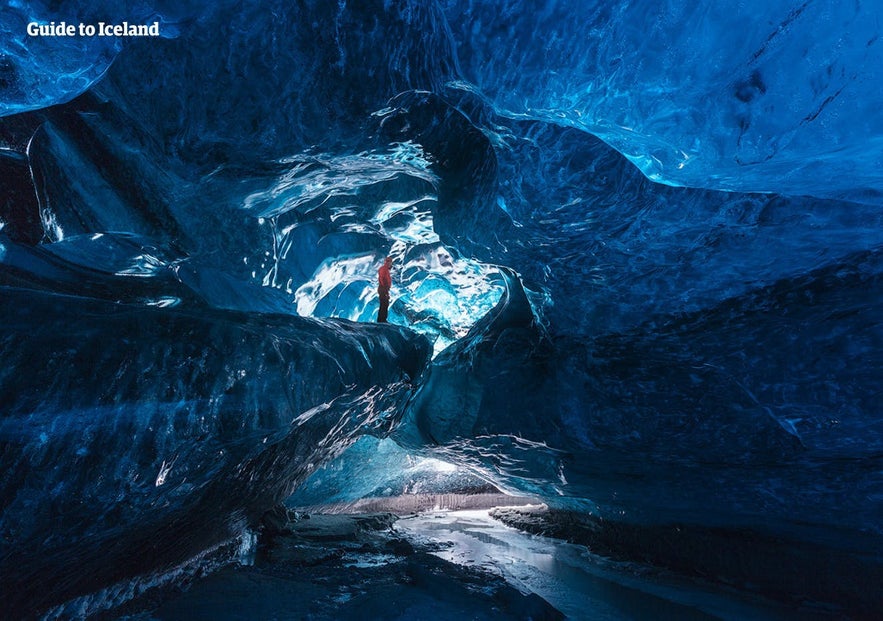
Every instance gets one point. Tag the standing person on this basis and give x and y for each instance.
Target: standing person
(384, 282)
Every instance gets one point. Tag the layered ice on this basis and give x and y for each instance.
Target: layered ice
(644, 242)
(771, 97)
(335, 218)
(40, 70)
(135, 437)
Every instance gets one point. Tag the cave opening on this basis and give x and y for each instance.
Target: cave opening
(637, 299)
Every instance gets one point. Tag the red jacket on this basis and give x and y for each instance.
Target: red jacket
(384, 280)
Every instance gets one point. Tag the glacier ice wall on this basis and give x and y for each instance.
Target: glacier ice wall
(39, 71)
(135, 436)
(702, 351)
(269, 79)
(36, 72)
(772, 97)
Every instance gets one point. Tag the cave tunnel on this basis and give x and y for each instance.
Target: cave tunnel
(633, 361)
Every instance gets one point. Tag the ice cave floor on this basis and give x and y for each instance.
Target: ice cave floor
(441, 565)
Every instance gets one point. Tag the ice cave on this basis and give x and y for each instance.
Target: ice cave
(633, 367)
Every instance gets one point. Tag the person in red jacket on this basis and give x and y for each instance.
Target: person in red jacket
(384, 282)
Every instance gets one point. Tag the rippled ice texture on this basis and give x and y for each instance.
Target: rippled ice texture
(657, 224)
(775, 96)
(353, 210)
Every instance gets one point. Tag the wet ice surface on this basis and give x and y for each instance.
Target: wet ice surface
(322, 567)
(576, 582)
(442, 565)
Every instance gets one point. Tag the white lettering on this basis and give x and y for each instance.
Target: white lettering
(61, 29)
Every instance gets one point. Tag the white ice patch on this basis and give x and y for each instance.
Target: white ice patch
(248, 547)
(572, 579)
(164, 470)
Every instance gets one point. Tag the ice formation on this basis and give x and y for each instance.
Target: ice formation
(637, 245)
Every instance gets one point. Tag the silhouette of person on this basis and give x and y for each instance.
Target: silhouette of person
(384, 282)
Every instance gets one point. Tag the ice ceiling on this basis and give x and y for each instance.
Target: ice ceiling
(638, 243)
